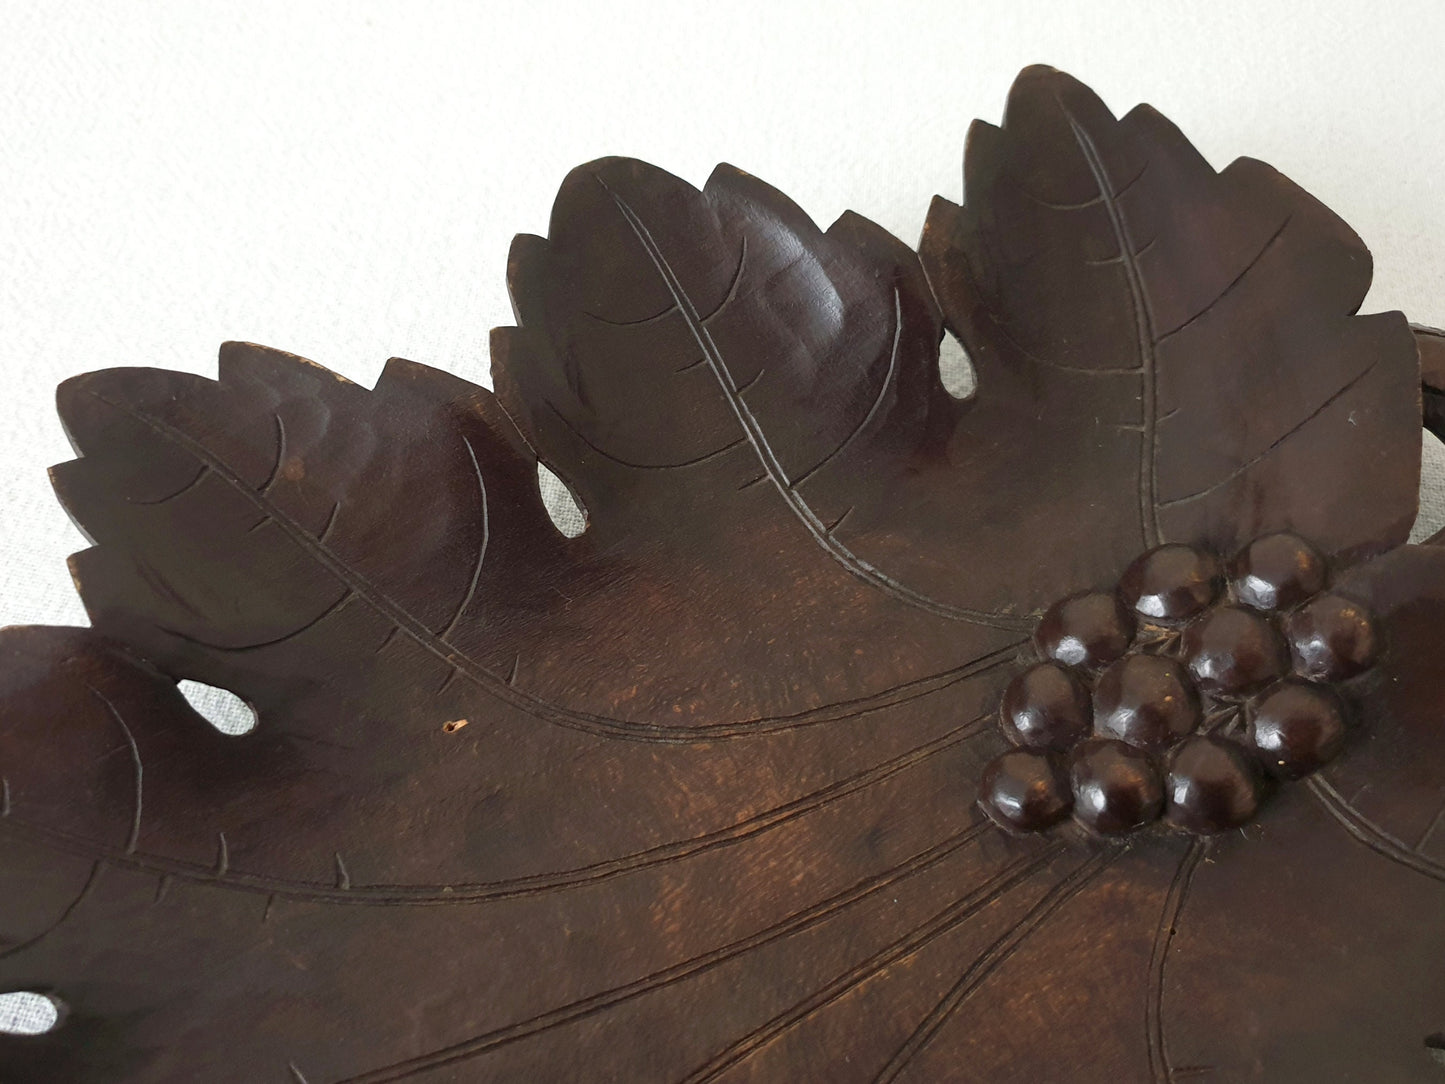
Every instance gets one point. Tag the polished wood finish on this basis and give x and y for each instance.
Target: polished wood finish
(691, 796)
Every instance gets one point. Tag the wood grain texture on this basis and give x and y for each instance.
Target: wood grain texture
(710, 816)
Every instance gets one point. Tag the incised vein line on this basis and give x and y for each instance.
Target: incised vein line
(220, 874)
(763, 449)
(451, 656)
(679, 972)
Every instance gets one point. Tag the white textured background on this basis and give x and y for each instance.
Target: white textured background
(343, 180)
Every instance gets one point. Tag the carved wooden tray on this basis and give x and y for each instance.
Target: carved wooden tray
(767, 775)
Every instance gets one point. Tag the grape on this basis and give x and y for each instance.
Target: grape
(1090, 629)
(1232, 650)
(1046, 707)
(1296, 727)
(1171, 583)
(1145, 700)
(1023, 790)
(1212, 785)
(1331, 638)
(1116, 786)
(1277, 572)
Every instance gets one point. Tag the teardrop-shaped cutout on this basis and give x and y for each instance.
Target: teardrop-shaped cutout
(955, 368)
(224, 710)
(26, 1012)
(568, 515)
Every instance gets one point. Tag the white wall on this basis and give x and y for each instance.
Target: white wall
(343, 180)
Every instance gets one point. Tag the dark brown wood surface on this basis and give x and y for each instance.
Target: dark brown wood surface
(691, 796)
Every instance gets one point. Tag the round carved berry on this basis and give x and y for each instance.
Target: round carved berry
(1116, 786)
(1277, 572)
(1232, 650)
(1212, 785)
(1145, 700)
(1171, 583)
(1331, 638)
(1296, 727)
(1090, 629)
(1023, 790)
(1046, 707)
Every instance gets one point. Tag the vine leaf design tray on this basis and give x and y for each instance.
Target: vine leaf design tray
(692, 796)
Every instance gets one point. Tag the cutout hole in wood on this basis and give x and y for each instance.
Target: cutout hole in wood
(955, 368)
(1435, 1044)
(27, 1012)
(224, 710)
(567, 513)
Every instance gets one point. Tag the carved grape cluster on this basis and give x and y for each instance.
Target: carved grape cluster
(1187, 692)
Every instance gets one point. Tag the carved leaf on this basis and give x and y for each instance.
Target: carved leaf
(690, 796)
(1174, 345)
